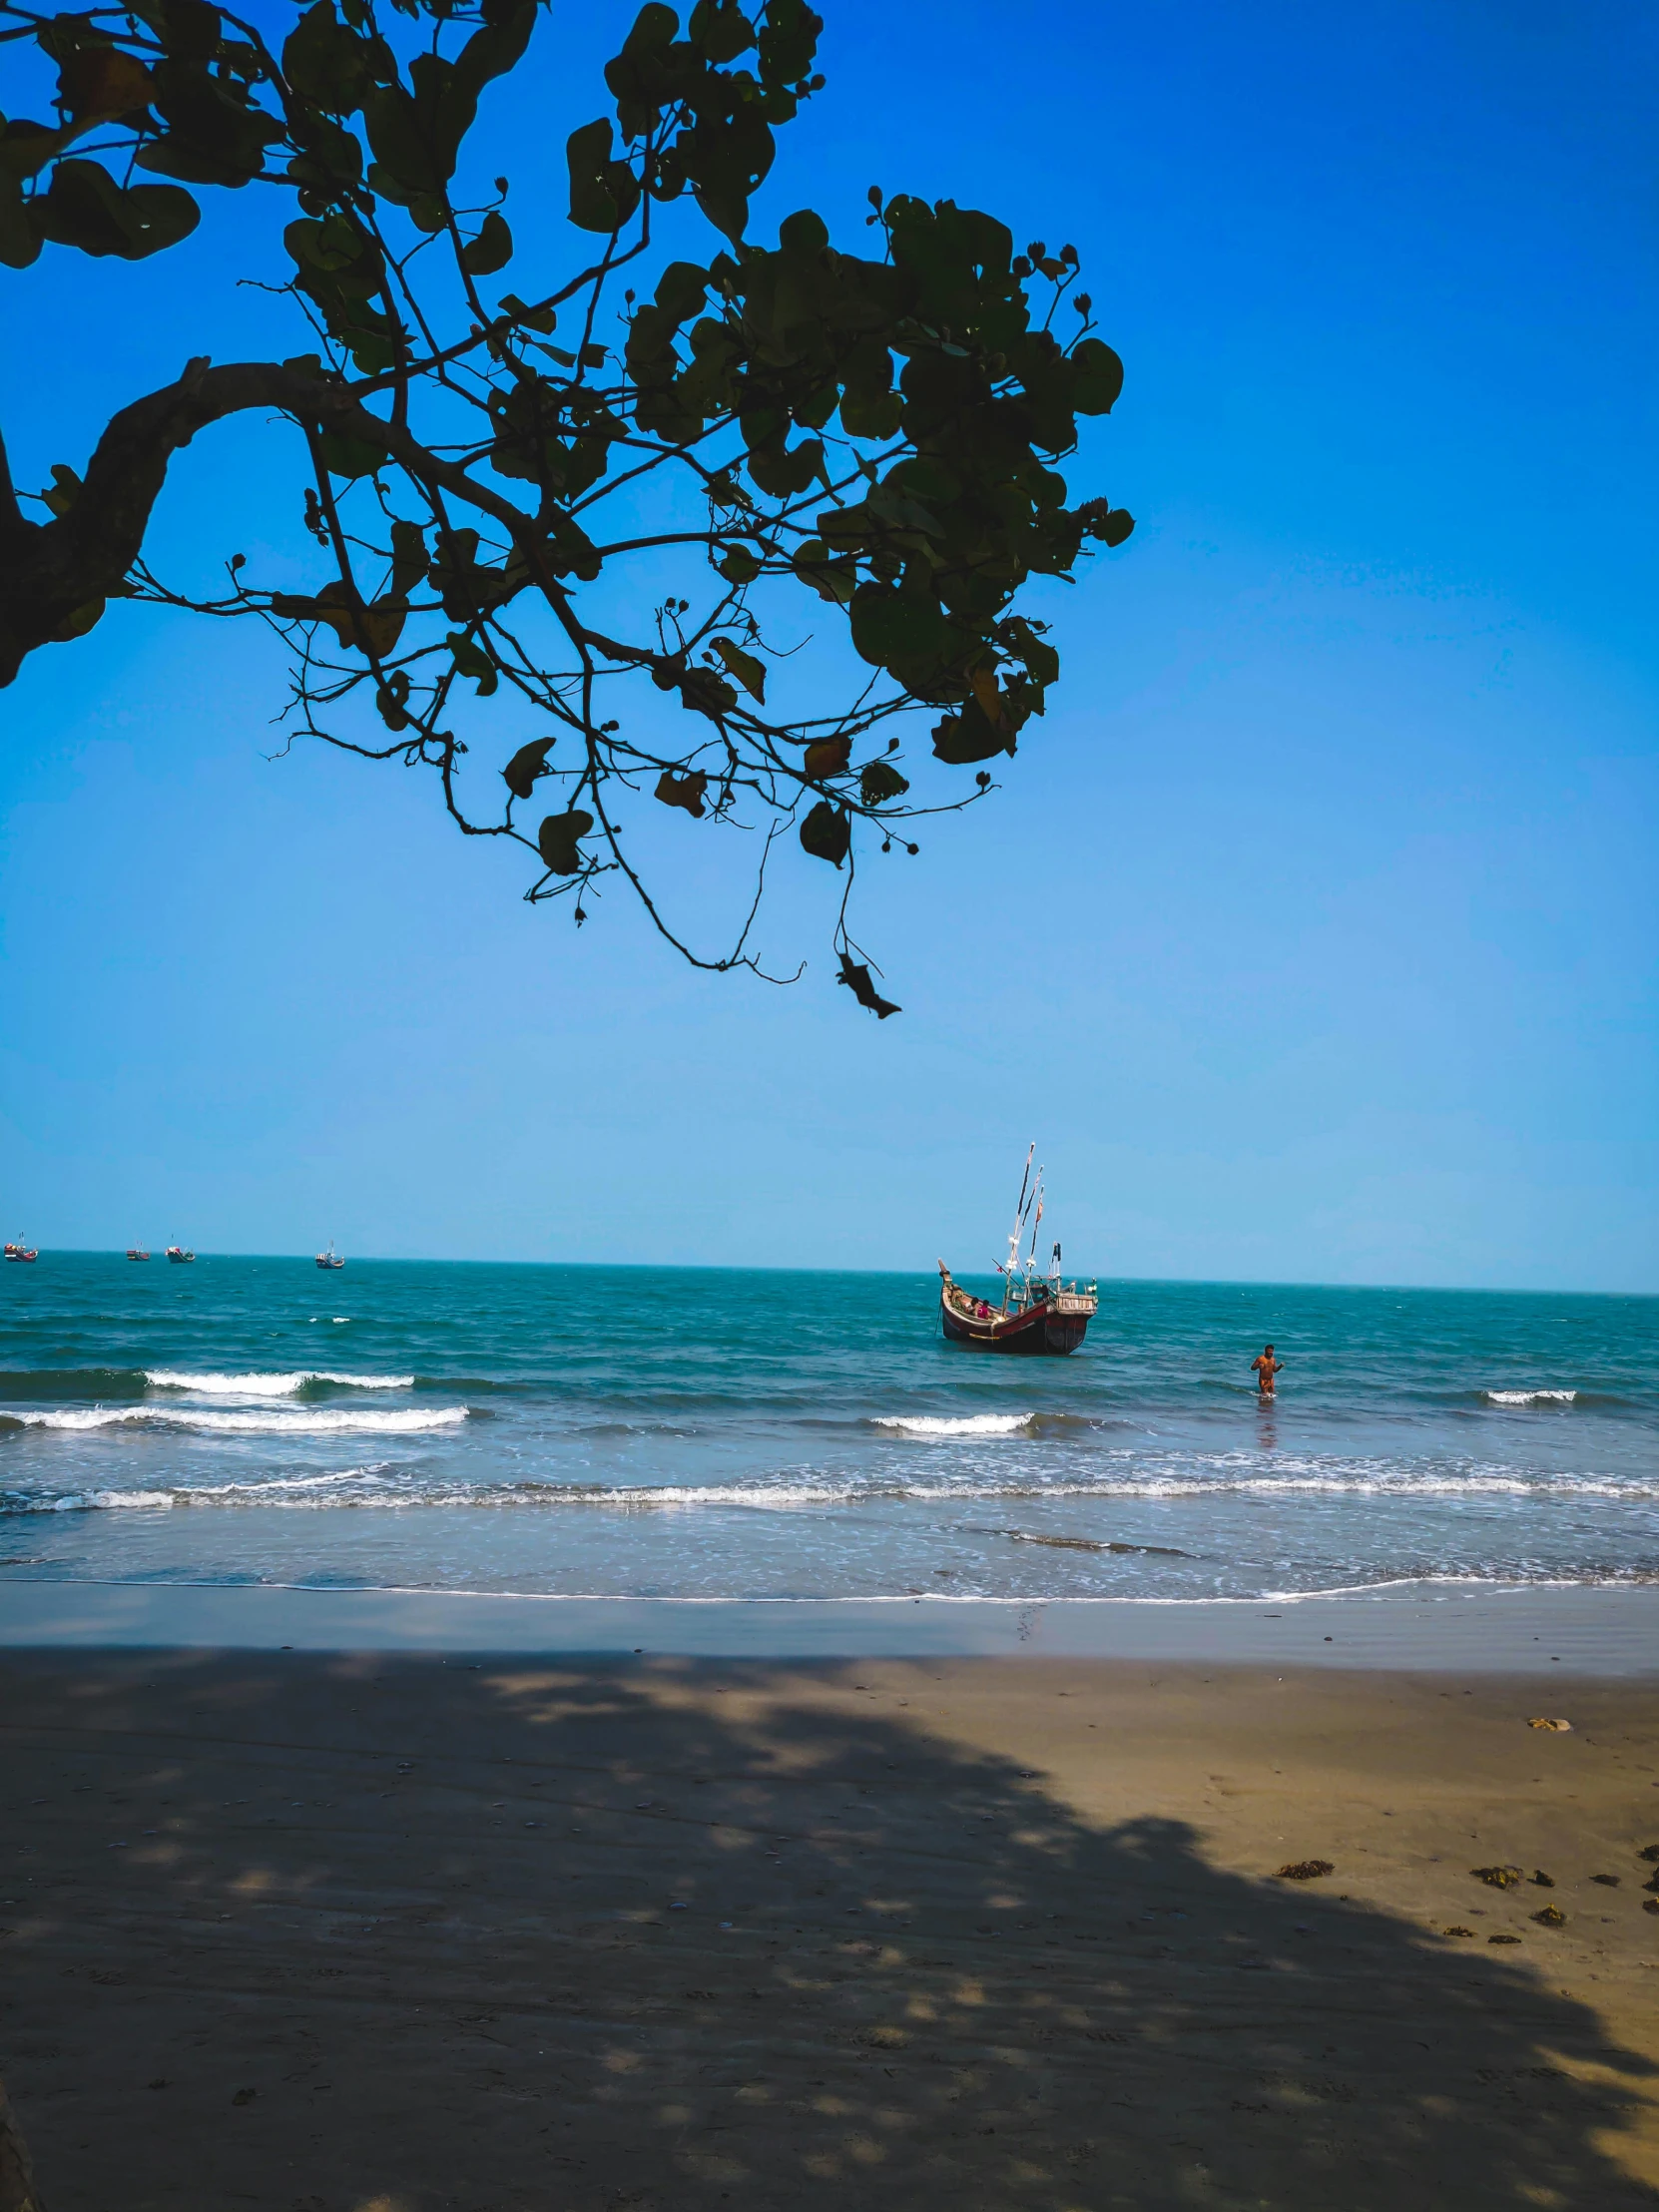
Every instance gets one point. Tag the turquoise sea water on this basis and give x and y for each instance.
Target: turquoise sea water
(713, 1433)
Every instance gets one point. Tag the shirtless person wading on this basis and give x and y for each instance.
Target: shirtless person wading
(1265, 1368)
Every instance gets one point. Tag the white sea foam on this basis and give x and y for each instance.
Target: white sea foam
(969, 1425)
(106, 1501)
(313, 1421)
(269, 1385)
(1529, 1398)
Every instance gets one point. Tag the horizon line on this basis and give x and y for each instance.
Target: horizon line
(718, 1267)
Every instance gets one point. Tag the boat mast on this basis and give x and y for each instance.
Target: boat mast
(1019, 1224)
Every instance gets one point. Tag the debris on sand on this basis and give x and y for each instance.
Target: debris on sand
(1649, 1850)
(1503, 1939)
(1561, 1728)
(1305, 1869)
(1551, 1917)
(1458, 1932)
(1498, 1878)
(1541, 1879)
(1607, 1881)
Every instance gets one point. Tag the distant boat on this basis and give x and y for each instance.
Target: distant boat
(21, 1252)
(1039, 1310)
(178, 1254)
(134, 1254)
(330, 1258)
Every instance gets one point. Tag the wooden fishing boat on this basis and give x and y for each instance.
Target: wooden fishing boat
(1039, 1311)
(178, 1254)
(135, 1254)
(330, 1259)
(21, 1252)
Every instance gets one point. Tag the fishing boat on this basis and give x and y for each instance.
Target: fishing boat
(21, 1252)
(133, 1253)
(1040, 1312)
(330, 1258)
(178, 1254)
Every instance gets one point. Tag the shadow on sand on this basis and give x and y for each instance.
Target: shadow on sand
(412, 1935)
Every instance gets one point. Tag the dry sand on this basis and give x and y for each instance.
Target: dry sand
(330, 1934)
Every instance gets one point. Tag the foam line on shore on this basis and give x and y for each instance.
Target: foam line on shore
(1545, 1631)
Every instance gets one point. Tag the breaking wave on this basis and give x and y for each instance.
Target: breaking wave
(381, 1484)
(270, 1386)
(1529, 1398)
(965, 1424)
(308, 1421)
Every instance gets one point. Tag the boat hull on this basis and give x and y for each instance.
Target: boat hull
(1039, 1331)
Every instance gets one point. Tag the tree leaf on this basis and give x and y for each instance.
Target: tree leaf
(86, 208)
(98, 82)
(526, 765)
(603, 193)
(556, 841)
(827, 833)
(683, 791)
(408, 556)
(857, 980)
(827, 756)
(966, 736)
(749, 672)
(878, 783)
(889, 626)
(324, 62)
(472, 660)
(491, 250)
(1097, 377)
(738, 565)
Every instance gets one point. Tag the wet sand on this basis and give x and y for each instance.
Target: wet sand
(393, 1934)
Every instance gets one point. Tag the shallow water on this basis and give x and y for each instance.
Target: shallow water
(710, 1433)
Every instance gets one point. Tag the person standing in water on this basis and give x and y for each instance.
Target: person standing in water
(1264, 1366)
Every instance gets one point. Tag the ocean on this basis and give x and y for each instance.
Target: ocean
(712, 1434)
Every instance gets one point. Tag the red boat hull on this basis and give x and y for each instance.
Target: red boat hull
(1037, 1329)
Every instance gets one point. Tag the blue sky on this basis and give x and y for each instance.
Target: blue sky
(1313, 936)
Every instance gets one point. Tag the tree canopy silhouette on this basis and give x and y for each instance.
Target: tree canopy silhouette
(602, 513)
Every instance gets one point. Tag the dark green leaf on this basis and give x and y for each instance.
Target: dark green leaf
(683, 791)
(408, 556)
(556, 841)
(878, 783)
(491, 250)
(857, 977)
(86, 208)
(889, 626)
(749, 672)
(324, 62)
(966, 736)
(738, 565)
(827, 756)
(603, 193)
(526, 765)
(472, 660)
(827, 833)
(1097, 378)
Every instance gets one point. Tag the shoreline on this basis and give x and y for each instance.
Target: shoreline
(1607, 1631)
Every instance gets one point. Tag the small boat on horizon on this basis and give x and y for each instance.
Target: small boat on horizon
(22, 1252)
(178, 1254)
(1039, 1312)
(133, 1253)
(330, 1258)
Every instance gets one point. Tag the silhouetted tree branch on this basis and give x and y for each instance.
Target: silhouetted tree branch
(877, 433)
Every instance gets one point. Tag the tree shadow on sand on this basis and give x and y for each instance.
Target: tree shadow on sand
(583, 1940)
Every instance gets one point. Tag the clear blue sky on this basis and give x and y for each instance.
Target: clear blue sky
(1314, 936)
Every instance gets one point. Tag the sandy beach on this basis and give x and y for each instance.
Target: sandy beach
(388, 1934)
